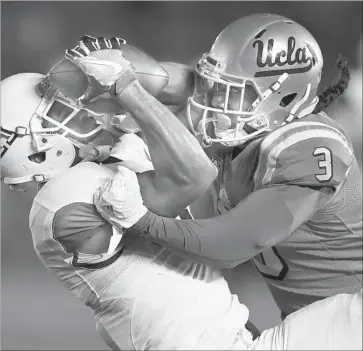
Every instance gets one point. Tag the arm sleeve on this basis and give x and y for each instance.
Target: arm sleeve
(263, 219)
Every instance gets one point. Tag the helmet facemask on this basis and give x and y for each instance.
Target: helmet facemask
(74, 84)
(48, 132)
(85, 128)
(237, 117)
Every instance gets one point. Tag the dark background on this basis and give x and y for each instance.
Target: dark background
(37, 312)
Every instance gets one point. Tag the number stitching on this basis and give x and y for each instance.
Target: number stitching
(324, 164)
(280, 274)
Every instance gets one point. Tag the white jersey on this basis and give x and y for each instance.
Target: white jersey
(144, 296)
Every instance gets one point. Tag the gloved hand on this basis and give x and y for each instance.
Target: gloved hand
(101, 59)
(119, 200)
(133, 153)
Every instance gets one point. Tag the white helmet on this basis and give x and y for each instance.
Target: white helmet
(28, 152)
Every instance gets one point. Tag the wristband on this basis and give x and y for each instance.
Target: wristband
(125, 81)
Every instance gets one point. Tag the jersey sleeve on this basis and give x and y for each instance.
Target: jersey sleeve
(73, 224)
(309, 154)
(235, 236)
(81, 231)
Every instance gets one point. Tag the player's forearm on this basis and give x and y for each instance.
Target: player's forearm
(175, 152)
(206, 238)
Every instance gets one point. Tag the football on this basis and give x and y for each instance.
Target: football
(72, 81)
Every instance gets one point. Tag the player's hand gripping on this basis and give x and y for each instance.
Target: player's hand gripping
(133, 152)
(119, 200)
(101, 59)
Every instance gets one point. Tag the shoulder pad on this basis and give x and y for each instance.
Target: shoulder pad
(304, 153)
(77, 184)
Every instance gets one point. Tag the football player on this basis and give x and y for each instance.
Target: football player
(288, 191)
(48, 139)
(334, 323)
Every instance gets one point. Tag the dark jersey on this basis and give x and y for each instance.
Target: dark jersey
(292, 201)
(323, 256)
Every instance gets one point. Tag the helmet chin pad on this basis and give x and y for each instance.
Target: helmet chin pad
(223, 122)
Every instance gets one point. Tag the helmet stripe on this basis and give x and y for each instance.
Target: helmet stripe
(7, 137)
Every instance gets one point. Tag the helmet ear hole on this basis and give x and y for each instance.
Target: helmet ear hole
(38, 157)
(287, 99)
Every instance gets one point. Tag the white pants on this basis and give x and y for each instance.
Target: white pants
(334, 323)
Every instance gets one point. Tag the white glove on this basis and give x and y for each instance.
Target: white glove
(119, 200)
(102, 59)
(133, 152)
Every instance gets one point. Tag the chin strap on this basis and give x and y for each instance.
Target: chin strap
(308, 110)
(305, 111)
(92, 152)
(96, 153)
(36, 178)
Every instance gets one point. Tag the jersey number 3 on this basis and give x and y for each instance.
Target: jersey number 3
(325, 164)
